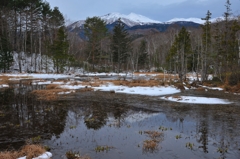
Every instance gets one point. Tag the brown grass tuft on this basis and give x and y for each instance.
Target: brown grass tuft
(154, 135)
(153, 143)
(86, 89)
(30, 151)
(4, 79)
(52, 86)
(137, 82)
(75, 155)
(51, 94)
(150, 145)
(177, 97)
(8, 155)
(200, 89)
(179, 86)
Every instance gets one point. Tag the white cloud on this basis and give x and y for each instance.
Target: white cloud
(154, 9)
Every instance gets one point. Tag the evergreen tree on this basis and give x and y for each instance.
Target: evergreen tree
(229, 43)
(120, 44)
(60, 50)
(95, 30)
(6, 57)
(180, 52)
(217, 50)
(143, 55)
(206, 42)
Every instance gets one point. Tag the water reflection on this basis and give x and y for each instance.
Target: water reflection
(85, 120)
(23, 117)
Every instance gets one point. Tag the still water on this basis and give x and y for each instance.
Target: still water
(83, 121)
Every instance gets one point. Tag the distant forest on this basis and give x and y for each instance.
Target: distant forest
(33, 28)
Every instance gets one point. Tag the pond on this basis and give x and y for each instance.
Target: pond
(108, 125)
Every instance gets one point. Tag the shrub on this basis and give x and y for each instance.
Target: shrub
(216, 79)
(234, 79)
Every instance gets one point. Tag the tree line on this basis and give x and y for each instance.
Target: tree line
(32, 27)
(211, 49)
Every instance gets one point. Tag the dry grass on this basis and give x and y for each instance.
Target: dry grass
(4, 79)
(52, 86)
(201, 89)
(86, 89)
(232, 89)
(150, 145)
(153, 143)
(154, 135)
(75, 155)
(236, 88)
(30, 151)
(179, 86)
(177, 97)
(95, 83)
(159, 76)
(139, 82)
(50, 93)
(167, 77)
(8, 155)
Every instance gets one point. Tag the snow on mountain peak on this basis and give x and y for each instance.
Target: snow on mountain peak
(130, 20)
(195, 20)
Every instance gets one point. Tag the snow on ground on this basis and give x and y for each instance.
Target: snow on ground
(151, 91)
(213, 88)
(35, 75)
(46, 155)
(196, 100)
(4, 85)
(72, 87)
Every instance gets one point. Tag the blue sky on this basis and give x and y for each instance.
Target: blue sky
(161, 10)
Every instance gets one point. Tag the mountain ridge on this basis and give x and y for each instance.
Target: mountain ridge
(134, 22)
(133, 19)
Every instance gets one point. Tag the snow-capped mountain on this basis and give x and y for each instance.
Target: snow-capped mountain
(136, 24)
(130, 20)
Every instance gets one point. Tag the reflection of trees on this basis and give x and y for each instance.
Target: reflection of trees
(25, 117)
(97, 113)
(99, 106)
(203, 129)
(96, 116)
(119, 113)
(220, 123)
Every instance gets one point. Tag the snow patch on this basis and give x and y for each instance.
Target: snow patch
(150, 91)
(196, 100)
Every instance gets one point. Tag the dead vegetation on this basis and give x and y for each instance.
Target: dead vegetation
(150, 145)
(137, 82)
(75, 155)
(86, 89)
(179, 86)
(50, 93)
(4, 79)
(30, 151)
(155, 135)
(10, 79)
(155, 138)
